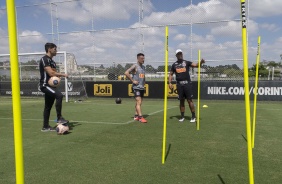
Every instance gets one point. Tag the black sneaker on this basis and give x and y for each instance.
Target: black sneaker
(48, 129)
(62, 121)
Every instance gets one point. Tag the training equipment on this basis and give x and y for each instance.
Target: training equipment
(54, 81)
(62, 129)
(118, 100)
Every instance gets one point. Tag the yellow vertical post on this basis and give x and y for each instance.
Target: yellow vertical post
(13, 45)
(199, 88)
(246, 84)
(165, 94)
(255, 95)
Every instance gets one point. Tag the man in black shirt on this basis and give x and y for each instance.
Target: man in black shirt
(184, 84)
(47, 67)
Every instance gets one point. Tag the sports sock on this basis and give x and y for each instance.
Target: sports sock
(193, 115)
(182, 114)
(140, 117)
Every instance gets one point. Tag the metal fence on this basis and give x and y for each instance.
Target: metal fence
(104, 36)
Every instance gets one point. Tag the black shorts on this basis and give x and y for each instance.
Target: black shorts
(138, 93)
(184, 91)
(51, 93)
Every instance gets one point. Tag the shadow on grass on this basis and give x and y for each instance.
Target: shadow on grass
(146, 115)
(220, 178)
(167, 152)
(73, 124)
(244, 138)
(179, 117)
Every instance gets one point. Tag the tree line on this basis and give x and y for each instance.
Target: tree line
(229, 70)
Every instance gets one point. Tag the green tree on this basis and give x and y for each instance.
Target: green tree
(29, 66)
(272, 64)
(150, 69)
(120, 69)
(128, 66)
(232, 72)
(262, 71)
(161, 68)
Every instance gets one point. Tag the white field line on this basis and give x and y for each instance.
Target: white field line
(151, 114)
(108, 123)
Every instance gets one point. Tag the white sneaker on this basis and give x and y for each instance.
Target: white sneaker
(193, 120)
(181, 119)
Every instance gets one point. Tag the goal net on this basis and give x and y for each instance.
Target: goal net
(73, 87)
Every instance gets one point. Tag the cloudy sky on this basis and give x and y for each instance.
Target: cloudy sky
(107, 31)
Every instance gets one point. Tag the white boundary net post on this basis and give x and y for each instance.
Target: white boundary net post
(42, 54)
(66, 79)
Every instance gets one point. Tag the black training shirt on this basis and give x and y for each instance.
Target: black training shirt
(181, 70)
(44, 62)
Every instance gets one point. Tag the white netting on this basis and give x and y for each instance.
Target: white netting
(74, 86)
(113, 32)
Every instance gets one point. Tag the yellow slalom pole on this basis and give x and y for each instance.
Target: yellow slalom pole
(255, 95)
(199, 79)
(13, 44)
(246, 84)
(165, 94)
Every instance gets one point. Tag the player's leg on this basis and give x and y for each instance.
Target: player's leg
(58, 105)
(181, 101)
(192, 109)
(139, 98)
(49, 101)
(136, 112)
(54, 93)
(189, 96)
(138, 104)
(182, 109)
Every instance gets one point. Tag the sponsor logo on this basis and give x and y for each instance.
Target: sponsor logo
(270, 91)
(172, 92)
(38, 87)
(243, 13)
(103, 89)
(10, 92)
(131, 93)
(180, 70)
(37, 93)
(70, 86)
(141, 75)
(72, 93)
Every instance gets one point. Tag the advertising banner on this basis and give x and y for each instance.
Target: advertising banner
(210, 90)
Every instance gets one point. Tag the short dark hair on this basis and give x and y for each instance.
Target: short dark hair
(49, 46)
(140, 54)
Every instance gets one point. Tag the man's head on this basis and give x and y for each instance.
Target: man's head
(178, 54)
(140, 58)
(51, 49)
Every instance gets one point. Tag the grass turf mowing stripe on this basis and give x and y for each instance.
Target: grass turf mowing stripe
(131, 121)
(89, 122)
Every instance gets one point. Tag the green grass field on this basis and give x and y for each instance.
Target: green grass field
(105, 146)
